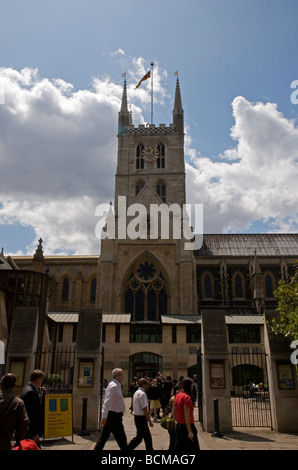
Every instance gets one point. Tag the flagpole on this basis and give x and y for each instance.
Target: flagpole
(152, 64)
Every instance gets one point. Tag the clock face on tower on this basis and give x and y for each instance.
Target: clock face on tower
(149, 154)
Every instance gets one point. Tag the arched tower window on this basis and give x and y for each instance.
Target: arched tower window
(140, 184)
(139, 159)
(145, 294)
(269, 286)
(65, 290)
(160, 163)
(161, 190)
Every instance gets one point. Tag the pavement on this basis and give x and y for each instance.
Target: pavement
(241, 439)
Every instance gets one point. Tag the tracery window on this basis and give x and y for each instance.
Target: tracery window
(146, 295)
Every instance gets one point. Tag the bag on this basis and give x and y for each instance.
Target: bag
(26, 444)
(168, 423)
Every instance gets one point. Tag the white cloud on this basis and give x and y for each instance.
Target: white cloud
(58, 151)
(256, 180)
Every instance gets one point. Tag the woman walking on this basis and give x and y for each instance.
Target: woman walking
(186, 432)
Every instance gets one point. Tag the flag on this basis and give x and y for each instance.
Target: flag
(124, 75)
(176, 73)
(148, 74)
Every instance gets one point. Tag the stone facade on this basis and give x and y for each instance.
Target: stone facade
(151, 290)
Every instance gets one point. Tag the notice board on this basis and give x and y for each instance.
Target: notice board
(58, 415)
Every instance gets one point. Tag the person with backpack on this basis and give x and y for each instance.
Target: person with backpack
(14, 421)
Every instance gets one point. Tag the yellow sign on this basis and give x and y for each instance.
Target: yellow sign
(58, 415)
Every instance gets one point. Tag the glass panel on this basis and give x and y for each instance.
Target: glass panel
(207, 287)
(152, 305)
(129, 301)
(140, 306)
(162, 302)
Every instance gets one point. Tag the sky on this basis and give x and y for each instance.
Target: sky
(61, 83)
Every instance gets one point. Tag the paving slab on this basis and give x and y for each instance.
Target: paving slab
(246, 439)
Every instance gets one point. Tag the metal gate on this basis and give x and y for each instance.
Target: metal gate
(249, 388)
(58, 367)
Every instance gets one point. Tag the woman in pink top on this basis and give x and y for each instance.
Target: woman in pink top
(186, 431)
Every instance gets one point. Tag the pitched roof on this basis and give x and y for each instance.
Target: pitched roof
(265, 244)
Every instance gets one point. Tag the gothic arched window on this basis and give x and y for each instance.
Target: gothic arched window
(161, 190)
(238, 285)
(268, 286)
(160, 163)
(145, 293)
(207, 287)
(65, 290)
(93, 290)
(140, 184)
(139, 159)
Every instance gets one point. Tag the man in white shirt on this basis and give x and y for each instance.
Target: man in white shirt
(113, 409)
(141, 417)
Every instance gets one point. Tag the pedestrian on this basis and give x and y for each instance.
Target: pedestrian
(113, 409)
(141, 417)
(132, 389)
(195, 387)
(170, 424)
(178, 385)
(166, 391)
(154, 394)
(186, 432)
(14, 421)
(31, 397)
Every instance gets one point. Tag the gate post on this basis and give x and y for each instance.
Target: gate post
(215, 370)
(86, 381)
(282, 379)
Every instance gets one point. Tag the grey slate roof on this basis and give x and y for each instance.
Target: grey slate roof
(271, 244)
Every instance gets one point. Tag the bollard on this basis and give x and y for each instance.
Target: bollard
(84, 418)
(217, 432)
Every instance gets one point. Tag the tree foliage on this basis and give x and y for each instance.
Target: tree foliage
(287, 296)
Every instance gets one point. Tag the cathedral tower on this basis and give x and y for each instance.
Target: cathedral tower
(148, 275)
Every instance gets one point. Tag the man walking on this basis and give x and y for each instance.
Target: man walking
(141, 417)
(113, 409)
(31, 397)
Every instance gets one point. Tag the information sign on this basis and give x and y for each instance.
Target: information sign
(58, 415)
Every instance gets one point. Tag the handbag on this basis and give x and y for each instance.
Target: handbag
(168, 423)
(26, 444)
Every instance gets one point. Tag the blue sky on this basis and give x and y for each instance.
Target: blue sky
(61, 65)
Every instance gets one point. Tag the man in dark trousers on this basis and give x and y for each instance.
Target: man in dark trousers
(113, 409)
(141, 417)
(31, 398)
(13, 416)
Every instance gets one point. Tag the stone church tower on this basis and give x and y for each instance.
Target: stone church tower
(148, 273)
